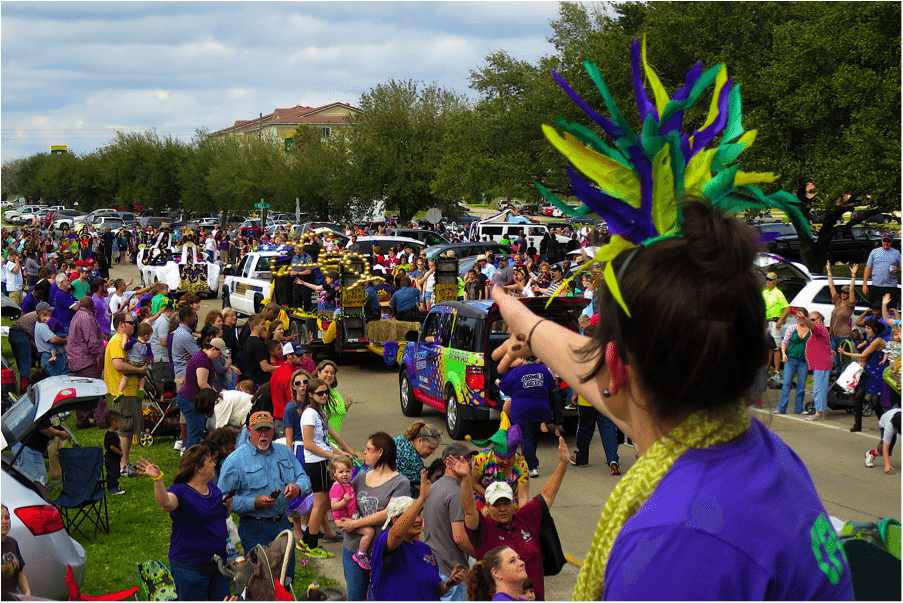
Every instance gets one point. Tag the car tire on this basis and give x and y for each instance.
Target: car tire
(410, 405)
(456, 426)
(258, 303)
(885, 220)
(226, 302)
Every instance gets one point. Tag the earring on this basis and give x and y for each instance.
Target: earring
(606, 393)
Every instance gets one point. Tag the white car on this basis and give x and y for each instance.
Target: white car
(816, 295)
(35, 523)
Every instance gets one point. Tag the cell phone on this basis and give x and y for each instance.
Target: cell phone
(275, 493)
(230, 494)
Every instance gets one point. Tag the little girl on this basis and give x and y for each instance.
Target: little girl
(344, 505)
(12, 578)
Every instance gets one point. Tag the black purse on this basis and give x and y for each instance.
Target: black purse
(553, 558)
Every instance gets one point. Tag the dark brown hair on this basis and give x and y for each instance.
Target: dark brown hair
(193, 459)
(694, 334)
(480, 581)
(384, 442)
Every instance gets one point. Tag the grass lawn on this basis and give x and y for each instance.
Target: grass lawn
(139, 528)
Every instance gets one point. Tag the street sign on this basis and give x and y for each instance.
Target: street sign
(262, 206)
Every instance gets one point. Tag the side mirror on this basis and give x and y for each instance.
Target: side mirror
(412, 336)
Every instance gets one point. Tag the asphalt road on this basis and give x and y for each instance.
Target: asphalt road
(833, 455)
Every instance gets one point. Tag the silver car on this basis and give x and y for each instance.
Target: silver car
(36, 524)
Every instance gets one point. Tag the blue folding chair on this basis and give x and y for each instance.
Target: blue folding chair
(84, 490)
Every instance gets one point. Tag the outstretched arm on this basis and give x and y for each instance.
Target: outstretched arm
(551, 487)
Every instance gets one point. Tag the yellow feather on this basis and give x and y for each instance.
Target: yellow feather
(664, 210)
(698, 172)
(753, 177)
(661, 95)
(612, 177)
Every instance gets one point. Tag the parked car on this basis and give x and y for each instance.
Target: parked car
(101, 222)
(875, 219)
(816, 295)
(463, 250)
(128, 219)
(36, 524)
(427, 236)
(764, 217)
(24, 215)
(154, 222)
(62, 219)
(88, 218)
(448, 364)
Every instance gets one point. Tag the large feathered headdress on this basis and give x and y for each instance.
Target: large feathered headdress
(635, 186)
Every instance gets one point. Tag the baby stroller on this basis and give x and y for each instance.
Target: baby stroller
(160, 413)
(838, 398)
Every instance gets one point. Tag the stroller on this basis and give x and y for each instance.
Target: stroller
(160, 414)
(838, 398)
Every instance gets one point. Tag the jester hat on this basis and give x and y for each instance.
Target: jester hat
(505, 441)
(636, 185)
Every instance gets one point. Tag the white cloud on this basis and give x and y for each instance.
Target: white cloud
(79, 70)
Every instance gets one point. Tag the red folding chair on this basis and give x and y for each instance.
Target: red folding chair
(75, 593)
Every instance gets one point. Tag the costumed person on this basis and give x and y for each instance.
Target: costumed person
(679, 274)
(499, 461)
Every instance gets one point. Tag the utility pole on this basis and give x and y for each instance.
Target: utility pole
(260, 127)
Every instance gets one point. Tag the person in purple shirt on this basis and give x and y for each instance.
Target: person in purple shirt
(64, 303)
(716, 506)
(101, 310)
(31, 301)
(498, 576)
(404, 568)
(198, 511)
(198, 375)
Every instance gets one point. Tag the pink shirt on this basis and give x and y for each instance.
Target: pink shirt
(337, 492)
(818, 349)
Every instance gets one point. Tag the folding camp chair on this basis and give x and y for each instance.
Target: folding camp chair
(75, 593)
(84, 490)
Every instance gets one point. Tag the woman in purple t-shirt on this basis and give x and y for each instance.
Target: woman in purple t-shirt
(199, 374)
(198, 511)
(498, 576)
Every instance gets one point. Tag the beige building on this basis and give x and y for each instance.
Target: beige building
(281, 123)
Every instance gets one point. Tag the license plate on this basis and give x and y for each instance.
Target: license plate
(321, 334)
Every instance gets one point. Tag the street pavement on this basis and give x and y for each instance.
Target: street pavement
(833, 455)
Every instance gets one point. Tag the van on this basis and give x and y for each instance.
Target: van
(493, 231)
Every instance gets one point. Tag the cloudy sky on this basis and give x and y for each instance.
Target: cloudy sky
(75, 72)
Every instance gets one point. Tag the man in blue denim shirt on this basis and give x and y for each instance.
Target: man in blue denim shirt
(255, 470)
(405, 300)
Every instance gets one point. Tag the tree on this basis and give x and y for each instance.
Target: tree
(397, 145)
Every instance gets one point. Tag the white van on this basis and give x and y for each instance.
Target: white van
(493, 231)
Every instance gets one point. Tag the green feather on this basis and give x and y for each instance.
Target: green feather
(734, 126)
(591, 139)
(704, 81)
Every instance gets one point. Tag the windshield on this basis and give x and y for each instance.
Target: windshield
(18, 419)
(781, 229)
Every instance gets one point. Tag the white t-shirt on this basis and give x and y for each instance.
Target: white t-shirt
(13, 279)
(116, 302)
(210, 244)
(312, 417)
(887, 429)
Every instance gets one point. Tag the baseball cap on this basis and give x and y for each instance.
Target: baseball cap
(771, 276)
(886, 237)
(396, 507)
(481, 257)
(260, 419)
(556, 267)
(293, 348)
(497, 491)
(43, 306)
(219, 344)
(457, 449)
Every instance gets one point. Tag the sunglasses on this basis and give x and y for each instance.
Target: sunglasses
(321, 392)
(301, 382)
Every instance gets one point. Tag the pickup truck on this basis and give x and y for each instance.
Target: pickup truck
(247, 286)
(262, 276)
(448, 364)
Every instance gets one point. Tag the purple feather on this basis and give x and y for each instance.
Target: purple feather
(766, 237)
(639, 91)
(703, 137)
(675, 122)
(644, 228)
(609, 208)
(603, 122)
(685, 147)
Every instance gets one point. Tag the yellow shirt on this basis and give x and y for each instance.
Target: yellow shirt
(775, 302)
(111, 376)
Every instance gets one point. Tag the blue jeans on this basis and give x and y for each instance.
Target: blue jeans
(21, 345)
(588, 418)
(526, 430)
(458, 592)
(193, 421)
(794, 367)
(199, 581)
(821, 381)
(31, 463)
(253, 532)
(357, 579)
(835, 342)
(54, 368)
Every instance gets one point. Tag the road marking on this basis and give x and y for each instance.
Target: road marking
(825, 424)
